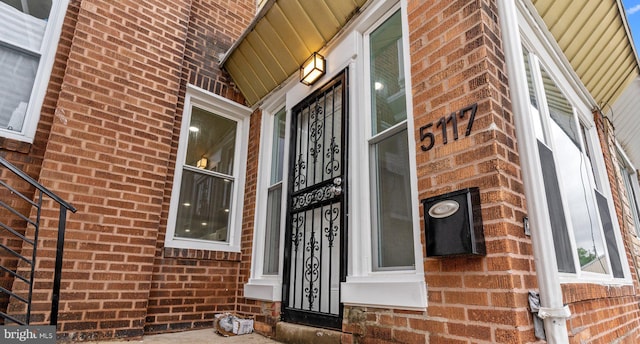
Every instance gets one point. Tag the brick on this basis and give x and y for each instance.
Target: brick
(408, 337)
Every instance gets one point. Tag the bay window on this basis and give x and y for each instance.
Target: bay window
(585, 237)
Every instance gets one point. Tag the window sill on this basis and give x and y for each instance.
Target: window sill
(393, 291)
(201, 245)
(591, 278)
(192, 253)
(264, 289)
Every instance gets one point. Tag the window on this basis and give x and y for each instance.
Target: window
(28, 39)
(585, 240)
(274, 197)
(265, 282)
(392, 223)
(630, 180)
(384, 242)
(206, 202)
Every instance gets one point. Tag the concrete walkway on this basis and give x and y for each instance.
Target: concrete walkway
(208, 336)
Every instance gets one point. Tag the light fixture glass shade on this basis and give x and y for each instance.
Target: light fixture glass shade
(202, 163)
(312, 69)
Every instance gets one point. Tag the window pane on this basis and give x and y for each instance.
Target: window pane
(387, 75)
(580, 198)
(393, 234)
(631, 196)
(23, 23)
(559, 109)
(272, 231)
(609, 236)
(557, 217)
(204, 207)
(17, 74)
(212, 141)
(277, 153)
(535, 112)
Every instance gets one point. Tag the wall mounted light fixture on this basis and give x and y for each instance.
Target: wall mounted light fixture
(312, 69)
(203, 162)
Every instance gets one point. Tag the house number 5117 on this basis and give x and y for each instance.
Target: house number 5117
(426, 133)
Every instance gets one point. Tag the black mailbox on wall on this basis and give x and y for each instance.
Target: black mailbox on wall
(453, 224)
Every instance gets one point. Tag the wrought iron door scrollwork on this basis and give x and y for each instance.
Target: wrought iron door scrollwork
(332, 216)
(316, 196)
(300, 179)
(334, 164)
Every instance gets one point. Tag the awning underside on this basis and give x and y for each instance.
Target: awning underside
(284, 34)
(595, 38)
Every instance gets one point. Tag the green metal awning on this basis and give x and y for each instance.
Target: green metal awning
(281, 37)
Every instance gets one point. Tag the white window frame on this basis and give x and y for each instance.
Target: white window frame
(261, 286)
(632, 175)
(47, 54)
(399, 289)
(402, 289)
(533, 38)
(213, 103)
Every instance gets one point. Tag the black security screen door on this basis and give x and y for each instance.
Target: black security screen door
(315, 242)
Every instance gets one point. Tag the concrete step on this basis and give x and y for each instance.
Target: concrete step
(299, 334)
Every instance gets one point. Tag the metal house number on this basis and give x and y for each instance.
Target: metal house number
(426, 132)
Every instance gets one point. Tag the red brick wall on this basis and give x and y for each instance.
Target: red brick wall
(457, 61)
(107, 142)
(107, 154)
(190, 286)
(28, 157)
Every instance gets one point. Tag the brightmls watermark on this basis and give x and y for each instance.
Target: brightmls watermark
(27, 334)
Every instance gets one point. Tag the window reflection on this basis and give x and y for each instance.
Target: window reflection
(205, 198)
(577, 180)
(395, 228)
(536, 119)
(211, 137)
(387, 75)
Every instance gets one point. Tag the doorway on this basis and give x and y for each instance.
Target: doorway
(315, 237)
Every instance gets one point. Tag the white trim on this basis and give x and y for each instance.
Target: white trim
(398, 291)
(539, 220)
(261, 286)
(206, 100)
(47, 55)
(526, 10)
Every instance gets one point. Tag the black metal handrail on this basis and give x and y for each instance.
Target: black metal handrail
(37, 203)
